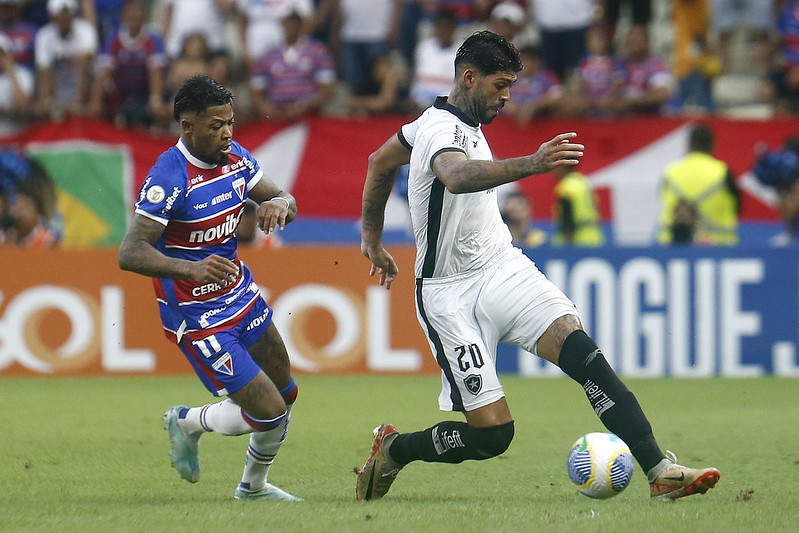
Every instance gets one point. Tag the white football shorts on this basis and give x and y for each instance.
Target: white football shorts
(465, 316)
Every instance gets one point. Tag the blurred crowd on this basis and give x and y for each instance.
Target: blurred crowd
(122, 60)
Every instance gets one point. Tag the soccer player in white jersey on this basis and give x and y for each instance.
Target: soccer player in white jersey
(474, 289)
(183, 235)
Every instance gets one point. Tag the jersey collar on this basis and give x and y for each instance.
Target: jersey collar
(193, 160)
(441, 103)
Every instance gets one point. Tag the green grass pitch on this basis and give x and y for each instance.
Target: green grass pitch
(90, 454)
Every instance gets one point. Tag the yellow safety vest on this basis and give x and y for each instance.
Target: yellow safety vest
(700, 179)
(576, 188)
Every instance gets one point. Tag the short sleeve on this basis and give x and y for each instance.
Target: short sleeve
(161, 193)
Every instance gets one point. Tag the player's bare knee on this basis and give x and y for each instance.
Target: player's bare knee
(493, 440)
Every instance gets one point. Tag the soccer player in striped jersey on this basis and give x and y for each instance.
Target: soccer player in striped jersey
(183, 235)
(475, 289)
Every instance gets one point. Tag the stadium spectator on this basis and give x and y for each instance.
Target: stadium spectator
(575, 210)
(756, 17)
(28, 216)
(695, 64)
(293, 79)
(700, 201)
(474, 289)
(382, 91)
(779, 169)
(260, 23)
(509, 20)
(563, 25)
(108, 16)
(781, 86)
(639, 11)
(20, 33)
(184, 17)
(35, 12)
(368, 30)
(517, 213)
(129, 87)
(210, 305)
(65, 50)
(648, 80)
(537, 91)
(194, 59)
(433, 71)
(16, 90)
(597, 84)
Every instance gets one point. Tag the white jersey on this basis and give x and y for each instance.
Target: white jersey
(455, 233)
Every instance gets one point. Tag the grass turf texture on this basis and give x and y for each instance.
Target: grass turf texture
(90, 454)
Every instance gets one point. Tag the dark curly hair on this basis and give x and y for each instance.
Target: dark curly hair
(198, 93)
(488, 53)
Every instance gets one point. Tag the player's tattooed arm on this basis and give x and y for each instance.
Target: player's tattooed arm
(380, 174)
(138, 254)
(461, 175)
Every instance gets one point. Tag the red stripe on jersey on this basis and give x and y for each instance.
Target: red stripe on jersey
(188, 290)
(159, 289)
(195, 234)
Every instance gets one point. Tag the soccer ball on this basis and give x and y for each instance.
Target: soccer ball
(600, 465)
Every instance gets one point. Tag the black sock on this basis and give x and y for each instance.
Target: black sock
(615, 405)
(451, 442)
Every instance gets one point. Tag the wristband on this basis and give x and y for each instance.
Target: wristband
(288, 204)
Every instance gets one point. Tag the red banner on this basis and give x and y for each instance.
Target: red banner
(331, 154)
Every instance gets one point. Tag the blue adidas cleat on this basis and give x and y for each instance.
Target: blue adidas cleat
(270, 492)
(185, 448)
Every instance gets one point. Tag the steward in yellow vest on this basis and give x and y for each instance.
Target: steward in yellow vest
(576, 215)
(699, 198)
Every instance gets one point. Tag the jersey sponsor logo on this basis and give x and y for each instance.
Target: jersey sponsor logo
(224, 365)
(242, 163)
(155, 194)
(203, 205)
(208, 314)
(226, 228)
(257, 321)
(170, 200)
(460, 137)
(599, 400)
(445, 441)
(222, 197)
(197, 179)
(474, 383)
(208, 288)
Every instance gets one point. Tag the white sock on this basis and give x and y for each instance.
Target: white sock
(262, 450)
(223, 417)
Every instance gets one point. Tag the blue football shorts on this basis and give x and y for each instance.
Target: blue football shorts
(222, 360)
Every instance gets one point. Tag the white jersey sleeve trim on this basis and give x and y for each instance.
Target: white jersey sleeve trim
(145, 214)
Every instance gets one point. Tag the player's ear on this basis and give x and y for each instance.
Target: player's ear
(186, 125)
(469, 78)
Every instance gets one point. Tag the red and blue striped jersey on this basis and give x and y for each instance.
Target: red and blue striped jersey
(200, 205)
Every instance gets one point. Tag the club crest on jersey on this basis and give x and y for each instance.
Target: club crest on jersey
(238, 186)
(224, 365)
(155, 194)
(474, 383)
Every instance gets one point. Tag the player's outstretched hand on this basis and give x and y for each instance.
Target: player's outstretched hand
(214, 269)
(272, 214)
(558, 152)
(382, 262)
